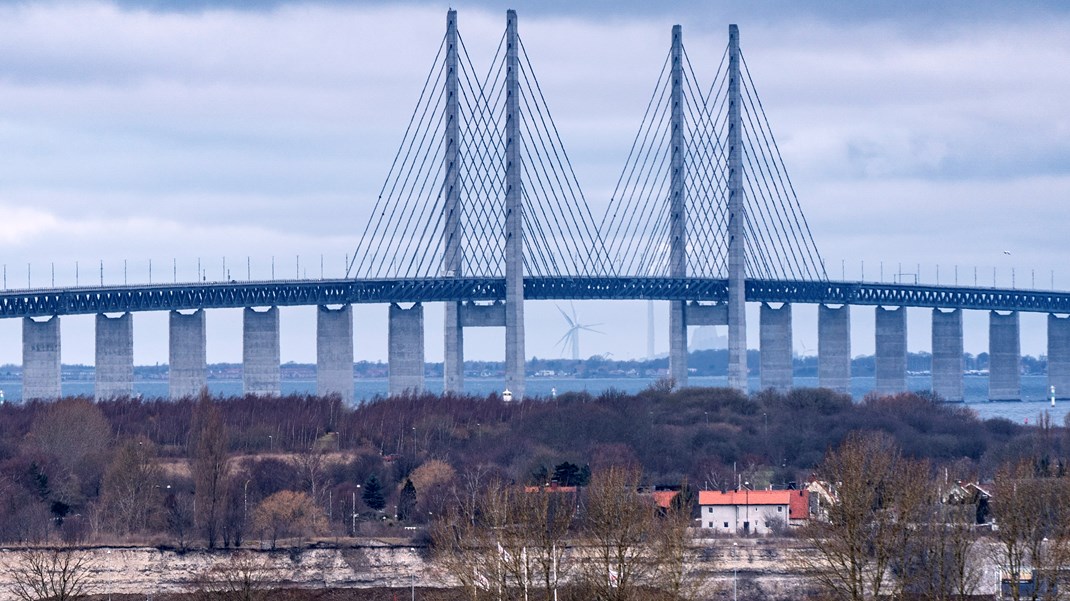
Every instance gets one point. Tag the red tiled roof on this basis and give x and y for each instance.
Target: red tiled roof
(664, 497)
(799, 508)
(745, 497)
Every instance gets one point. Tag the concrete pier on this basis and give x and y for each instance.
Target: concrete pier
(115, 357)
(776, 351)
(453, 359)
(334, 352)
(891, 351)
(260, 352)
(1004, 357)
(40, 359)
(406, 349)
(678, 342)
(187, 359)
(948, 365)
(1059, 355)
(834, 347)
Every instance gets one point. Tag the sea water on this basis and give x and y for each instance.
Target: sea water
(1034, 390)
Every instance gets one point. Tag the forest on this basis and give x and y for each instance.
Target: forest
(219, 472)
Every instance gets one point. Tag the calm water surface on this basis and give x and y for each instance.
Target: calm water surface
(1034, 390)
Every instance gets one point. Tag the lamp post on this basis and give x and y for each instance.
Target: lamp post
(735, 574)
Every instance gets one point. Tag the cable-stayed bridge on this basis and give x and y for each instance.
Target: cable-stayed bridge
(481, 209)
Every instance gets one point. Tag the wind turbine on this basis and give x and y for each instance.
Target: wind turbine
(572, 336)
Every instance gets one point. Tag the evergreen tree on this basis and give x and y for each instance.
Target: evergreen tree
(407, 501)
(373, 493)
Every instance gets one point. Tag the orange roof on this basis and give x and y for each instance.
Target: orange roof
(799, 508)
(745, 497)
(664, 497)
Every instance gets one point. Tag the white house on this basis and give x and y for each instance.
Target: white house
(752, 511)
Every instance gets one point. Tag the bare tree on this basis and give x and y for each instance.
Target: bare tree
(546, 517)
(467, 536)
(1034, 527)
(453, 535)
(869, 523)
(131, 489)
(287, 514)
(675, 555)
(55, 574)
(209, 467)
(243, 576)
(617, 528)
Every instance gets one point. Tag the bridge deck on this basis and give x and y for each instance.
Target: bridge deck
(220, 295)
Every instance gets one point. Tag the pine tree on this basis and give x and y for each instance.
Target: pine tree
(373, 493)
(407, 501)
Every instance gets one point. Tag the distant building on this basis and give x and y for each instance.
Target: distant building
(752, 511)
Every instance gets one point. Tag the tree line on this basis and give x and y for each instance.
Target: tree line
(215, 472)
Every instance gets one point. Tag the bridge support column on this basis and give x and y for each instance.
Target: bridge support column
(261, 373)
(1004, 357)
(1059, 355)
(114, 356)
(678, 342)
(834, 348)
(406, 349)
(187, 358)
(334, 352)
(776, 357)
(890, 360)
(453, 361)
(947, 349)
(40, 359)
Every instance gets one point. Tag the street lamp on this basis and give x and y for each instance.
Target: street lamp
(735, 573)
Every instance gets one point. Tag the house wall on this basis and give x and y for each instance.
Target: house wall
(741, 519)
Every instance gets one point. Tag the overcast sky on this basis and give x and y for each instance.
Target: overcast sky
(915, 135)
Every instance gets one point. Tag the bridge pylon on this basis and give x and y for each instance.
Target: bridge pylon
(481, 186)
(705, 194)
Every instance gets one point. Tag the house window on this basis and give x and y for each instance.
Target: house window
(709, 510)
(710, 525)
(725, 524)
(779, 509)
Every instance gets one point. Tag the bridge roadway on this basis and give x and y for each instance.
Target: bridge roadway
(224, 295)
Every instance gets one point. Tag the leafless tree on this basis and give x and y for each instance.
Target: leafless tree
(209, 467)
(877, 499)
(1034, 527)
(243, 576)
(288, 514)
(131, 488)
(675, 555)
(618, 528)
(54, 574)
(546, 518)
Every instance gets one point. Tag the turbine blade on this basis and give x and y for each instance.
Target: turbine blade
(565, 315)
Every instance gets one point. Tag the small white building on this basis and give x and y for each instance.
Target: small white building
(749, 511)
